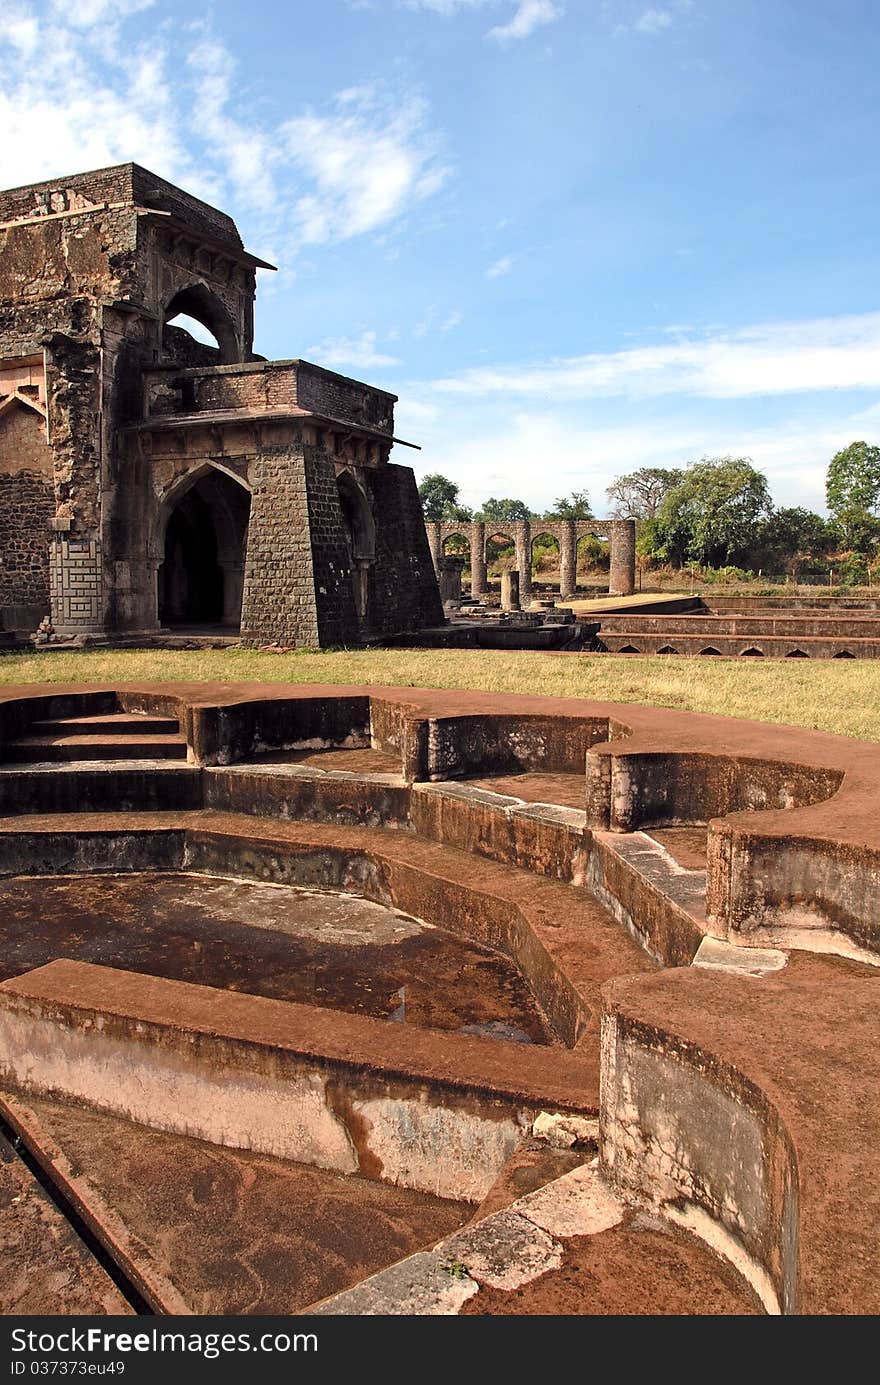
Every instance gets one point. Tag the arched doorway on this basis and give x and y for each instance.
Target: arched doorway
(201, 577)
(360, 532)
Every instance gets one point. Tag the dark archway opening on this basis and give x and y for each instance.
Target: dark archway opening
(202, 575)
(360, 534)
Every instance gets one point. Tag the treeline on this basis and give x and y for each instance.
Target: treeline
(717, 513)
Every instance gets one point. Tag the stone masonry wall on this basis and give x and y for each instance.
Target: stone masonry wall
(403, 593)
(331, 560)
(127, 183)
(335, 396)
(279, 591)
(27, 503)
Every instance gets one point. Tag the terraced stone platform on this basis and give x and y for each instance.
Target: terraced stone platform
(751, 630)
(382, 941)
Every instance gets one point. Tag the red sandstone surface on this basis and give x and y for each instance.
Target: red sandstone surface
(798, 1042)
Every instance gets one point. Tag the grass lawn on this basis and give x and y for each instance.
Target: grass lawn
(829, 695)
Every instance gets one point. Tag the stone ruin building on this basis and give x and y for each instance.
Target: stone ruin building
(147, 480)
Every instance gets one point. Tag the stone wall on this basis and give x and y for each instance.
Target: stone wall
(129, 184)
(331, 558)
(278, 592)
(27, 503)
(336, 397)
(270, 385)
(403, 590)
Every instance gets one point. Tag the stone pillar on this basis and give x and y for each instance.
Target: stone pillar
(435, 542)
(232, 564)
(622, 575)
(510, 591)
(567, 560)
(523, 537)
(478, 560)
(450, 580)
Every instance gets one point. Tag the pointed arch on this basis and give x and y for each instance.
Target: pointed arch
(358, 516)
(198, 301)
(200, 546)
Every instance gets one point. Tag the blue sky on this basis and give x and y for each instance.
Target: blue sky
(574, 237)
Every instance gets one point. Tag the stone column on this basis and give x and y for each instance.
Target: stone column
(478, 560)
(450, 580)
(567, 560)
(510, 591)
(435, 542)
(233, 585)
(523, 538)
(622, 575)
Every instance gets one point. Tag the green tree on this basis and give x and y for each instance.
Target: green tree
(852, 490)
(639, 494)
(856, 530)
(574, 506)
(791, 538)
(853, 480)
(504, 511)
(439, 497)
(649, 542)
(711, 516)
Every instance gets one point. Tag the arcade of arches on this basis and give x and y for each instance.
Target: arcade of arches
(620, 533)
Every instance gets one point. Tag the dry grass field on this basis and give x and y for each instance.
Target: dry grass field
(842, 696)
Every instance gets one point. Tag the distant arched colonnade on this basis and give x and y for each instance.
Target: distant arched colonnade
(619, 533)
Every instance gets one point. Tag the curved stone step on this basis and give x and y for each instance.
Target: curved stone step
(113, 724)
(29, 750)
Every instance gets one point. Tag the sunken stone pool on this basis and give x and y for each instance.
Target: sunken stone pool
(318, 947)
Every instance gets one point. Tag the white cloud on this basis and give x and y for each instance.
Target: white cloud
(23, 33)
(778, 358)
(106, 89)
(66, 111)
(536, 453)
(528, 16)
(84, 14)
(430, 322)
(500, 267)
(368, 159)
(359, 352)
(246, 153)
(653, 21)
(444, 7)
